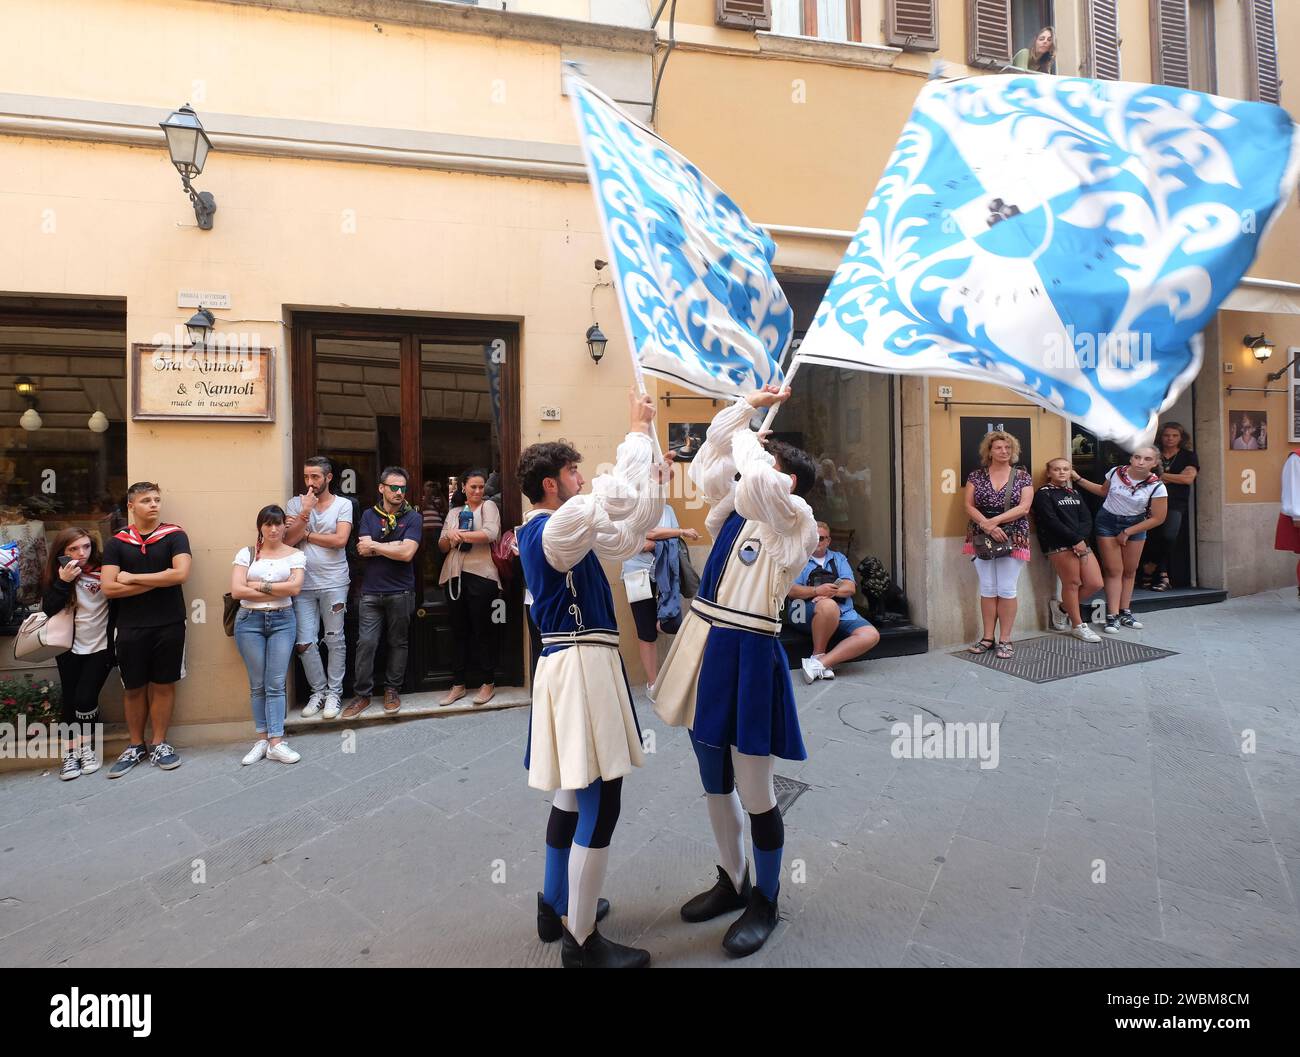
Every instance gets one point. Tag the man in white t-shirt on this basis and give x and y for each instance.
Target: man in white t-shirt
(319, 524)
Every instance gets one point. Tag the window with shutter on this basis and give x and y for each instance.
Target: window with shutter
(912, 24)
(1169, 62)
(988, 32)
(1261, 46)
(1103, 39)
(745, 14)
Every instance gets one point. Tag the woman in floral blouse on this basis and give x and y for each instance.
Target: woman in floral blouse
(1001, 520)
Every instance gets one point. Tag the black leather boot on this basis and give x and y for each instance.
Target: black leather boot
(549, 926)
(599, 953)
(722, 898)
(750, 931)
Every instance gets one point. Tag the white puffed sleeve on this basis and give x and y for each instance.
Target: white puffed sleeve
(1291, 486)
(623, 506)
(714, 467)
(763, 496)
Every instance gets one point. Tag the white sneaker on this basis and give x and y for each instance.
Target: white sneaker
(827, 673)
(313, 704)
(332, 707)
(1059, 618)
(256, 753)
(282, 753)
(1082, 631)
(650, 691)
(812, 670)
(89, 764)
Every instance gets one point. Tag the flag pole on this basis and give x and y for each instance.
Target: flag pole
(771, 411)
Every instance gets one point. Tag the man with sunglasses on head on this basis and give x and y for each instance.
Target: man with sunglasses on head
(388, 539)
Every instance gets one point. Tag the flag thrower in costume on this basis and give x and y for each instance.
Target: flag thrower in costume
(1063, 237)
(700, 303)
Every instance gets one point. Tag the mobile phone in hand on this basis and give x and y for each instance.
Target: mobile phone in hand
(64, 559)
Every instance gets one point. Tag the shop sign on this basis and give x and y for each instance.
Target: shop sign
(220, 384)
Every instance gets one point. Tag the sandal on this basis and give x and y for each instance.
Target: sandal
(1005, 651)
(983, 646)
(1162, 584)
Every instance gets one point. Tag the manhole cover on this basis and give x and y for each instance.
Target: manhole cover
(787, 792)
(1052, 657)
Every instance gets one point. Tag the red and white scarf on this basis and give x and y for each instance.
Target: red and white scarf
(1122, 474)
(132, 536)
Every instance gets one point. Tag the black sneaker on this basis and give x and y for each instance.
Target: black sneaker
(549, 926)
(134, 754)
(722, 898)
(71, 767)
(1126, 620)
(750, 931)
(596, 952)
(165, 756)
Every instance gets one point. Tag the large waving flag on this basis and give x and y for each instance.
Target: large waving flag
(694, 275)
(1063, 237)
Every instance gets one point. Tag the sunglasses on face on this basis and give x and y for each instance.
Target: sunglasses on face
(394, 487)
(823, 537)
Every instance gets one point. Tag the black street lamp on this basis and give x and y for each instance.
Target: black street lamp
(199, 326)
(596, 342)
(188, 146)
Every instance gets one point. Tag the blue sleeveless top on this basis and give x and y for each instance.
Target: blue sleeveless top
(552, 598)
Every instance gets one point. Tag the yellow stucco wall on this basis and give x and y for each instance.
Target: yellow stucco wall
(1256, 476)
(232, 59)
(467, 245)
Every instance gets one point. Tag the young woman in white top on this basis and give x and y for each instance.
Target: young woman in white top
(72, 580)
(1136, 500)
(265, 579)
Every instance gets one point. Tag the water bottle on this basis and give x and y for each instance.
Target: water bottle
(466, 525)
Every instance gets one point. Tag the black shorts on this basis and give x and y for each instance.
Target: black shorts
(151, 655)
(646, 615)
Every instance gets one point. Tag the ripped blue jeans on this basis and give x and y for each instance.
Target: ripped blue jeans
(326, 607)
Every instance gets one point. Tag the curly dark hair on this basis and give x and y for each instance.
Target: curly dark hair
(796, 461)
(540, 461)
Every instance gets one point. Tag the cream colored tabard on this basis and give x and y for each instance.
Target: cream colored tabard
(583, 727)
(753, 586)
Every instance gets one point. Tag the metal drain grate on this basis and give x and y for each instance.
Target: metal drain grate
(1052, 657)
(787, 792)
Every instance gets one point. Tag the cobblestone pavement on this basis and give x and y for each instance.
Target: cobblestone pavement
(424, 845)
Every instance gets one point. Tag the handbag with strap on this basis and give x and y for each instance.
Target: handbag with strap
(690, 579)
(503, 555)
(985, 546)
(44, 637)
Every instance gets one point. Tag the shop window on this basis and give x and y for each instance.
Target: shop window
(845, 420)
(62, 440)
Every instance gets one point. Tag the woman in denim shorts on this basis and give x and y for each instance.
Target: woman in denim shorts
(1136, 500)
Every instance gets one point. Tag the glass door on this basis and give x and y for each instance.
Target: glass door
(438, 398)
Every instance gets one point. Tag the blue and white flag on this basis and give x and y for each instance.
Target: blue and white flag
(694, 275)
(1063, 237)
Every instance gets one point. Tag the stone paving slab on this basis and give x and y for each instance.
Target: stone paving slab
(418, 842)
